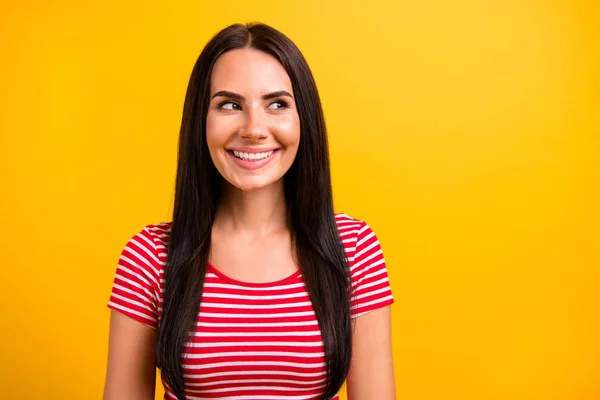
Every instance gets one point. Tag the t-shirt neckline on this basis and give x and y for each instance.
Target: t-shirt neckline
(226, 278)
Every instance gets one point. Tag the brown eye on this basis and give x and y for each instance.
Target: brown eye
(278, 105)
(229, 106)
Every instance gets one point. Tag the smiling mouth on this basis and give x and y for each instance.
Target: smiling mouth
(252, 156)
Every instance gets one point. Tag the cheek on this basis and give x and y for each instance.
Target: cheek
(216, 135)
(288, 132)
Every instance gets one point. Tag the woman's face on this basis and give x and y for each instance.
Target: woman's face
(252, 125)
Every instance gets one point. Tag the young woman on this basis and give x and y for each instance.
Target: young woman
(256, 289)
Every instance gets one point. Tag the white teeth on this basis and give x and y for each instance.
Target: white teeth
(252, 156)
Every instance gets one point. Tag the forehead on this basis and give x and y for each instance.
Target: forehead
(249, 71)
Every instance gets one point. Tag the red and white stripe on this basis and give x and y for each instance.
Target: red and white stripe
(252, 340)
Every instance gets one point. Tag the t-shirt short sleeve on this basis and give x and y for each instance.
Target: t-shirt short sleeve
(370, 282)
(136, 287)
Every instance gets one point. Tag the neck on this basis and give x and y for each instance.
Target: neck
(259, 212)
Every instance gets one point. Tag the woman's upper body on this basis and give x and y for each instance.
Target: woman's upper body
(256, 289)
(258, 339)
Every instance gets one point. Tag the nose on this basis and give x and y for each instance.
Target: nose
(254, 127)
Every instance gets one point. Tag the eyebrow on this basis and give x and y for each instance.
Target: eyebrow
(268, 96)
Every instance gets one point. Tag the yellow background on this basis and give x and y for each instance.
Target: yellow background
(467, 133)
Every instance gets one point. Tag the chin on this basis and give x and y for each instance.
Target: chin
(248, 185)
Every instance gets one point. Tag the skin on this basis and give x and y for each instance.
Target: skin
(251, 215)
(131, 370)
(252, 218)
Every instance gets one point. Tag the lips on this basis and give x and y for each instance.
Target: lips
(252, 159)
(253, 149)
(252, 156)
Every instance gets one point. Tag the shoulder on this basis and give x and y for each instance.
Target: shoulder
(368, 271)
(160, 231)
(357, 236)
(350, 227)
(147, 249)
(138, 281)
(158, 234)
(154, 238)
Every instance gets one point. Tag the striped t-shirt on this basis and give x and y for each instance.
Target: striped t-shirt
(252, 340)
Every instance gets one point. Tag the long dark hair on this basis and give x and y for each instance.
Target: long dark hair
(309, 199)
